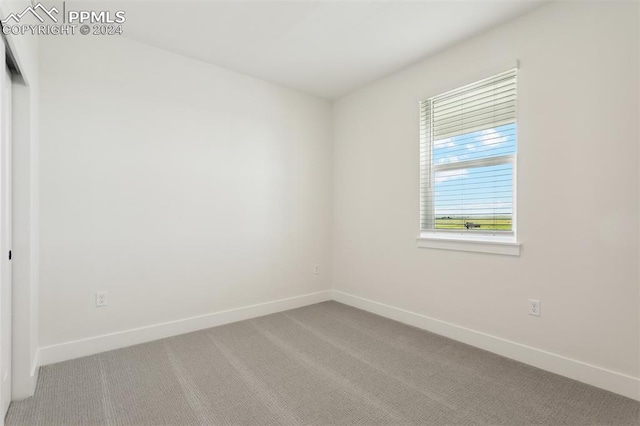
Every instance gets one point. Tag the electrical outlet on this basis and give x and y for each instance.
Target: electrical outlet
(101, 299)
(534, 307)
(316, 270)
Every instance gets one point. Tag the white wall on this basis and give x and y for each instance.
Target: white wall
(24, 50)
(180, 188)
(578, 189)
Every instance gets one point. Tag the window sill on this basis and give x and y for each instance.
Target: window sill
(507, 246)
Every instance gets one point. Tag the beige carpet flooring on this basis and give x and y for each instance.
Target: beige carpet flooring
(323, 364)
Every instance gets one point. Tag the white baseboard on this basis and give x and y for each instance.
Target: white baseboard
(93, 345)
(613, 381)
(35, 370)
(24, 386)
(587, 373)
(35, 365)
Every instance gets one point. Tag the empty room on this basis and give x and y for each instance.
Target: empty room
(320, 212)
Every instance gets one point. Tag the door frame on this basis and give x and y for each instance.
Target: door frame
(6, 229)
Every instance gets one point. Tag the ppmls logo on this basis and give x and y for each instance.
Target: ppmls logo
(33, 11)
(85, 22)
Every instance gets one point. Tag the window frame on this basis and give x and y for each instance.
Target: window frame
(487, 241)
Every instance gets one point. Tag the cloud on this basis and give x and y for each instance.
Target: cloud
(444, 143)
(491, 137)
(452, 159)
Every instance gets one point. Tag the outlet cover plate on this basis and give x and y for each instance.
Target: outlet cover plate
(534, 307)
(101, 299)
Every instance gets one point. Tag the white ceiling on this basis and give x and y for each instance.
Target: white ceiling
(326, 48)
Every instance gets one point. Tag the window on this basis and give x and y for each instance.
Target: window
(468, 148)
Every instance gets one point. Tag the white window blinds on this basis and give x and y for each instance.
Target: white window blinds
(467, 157)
